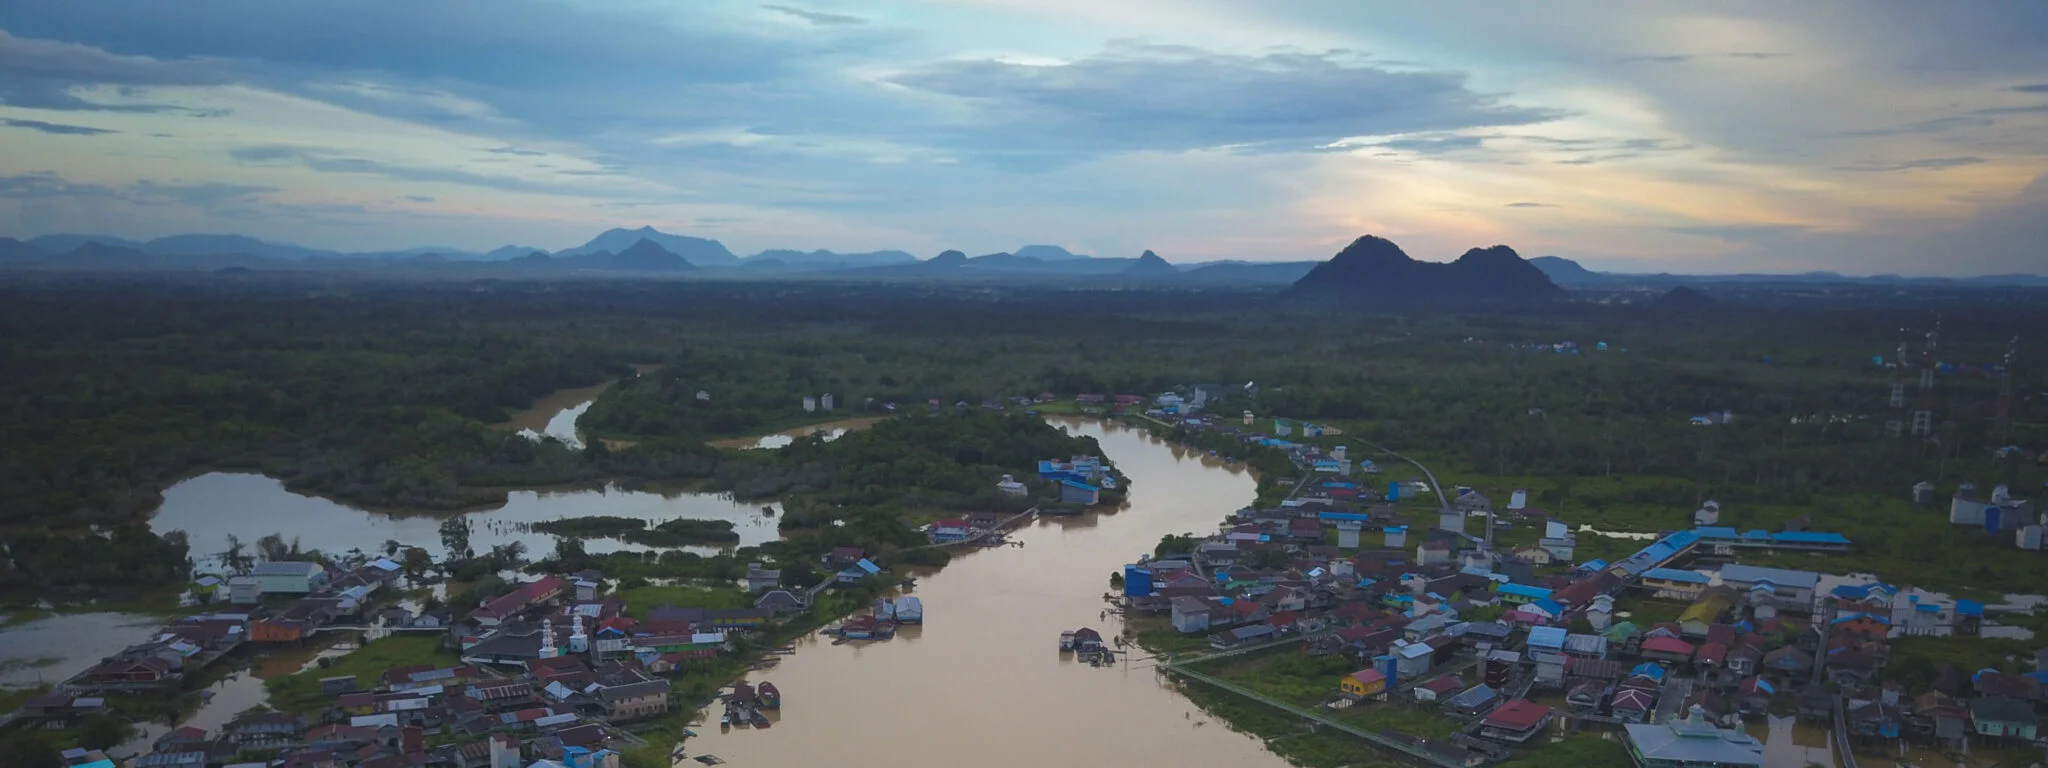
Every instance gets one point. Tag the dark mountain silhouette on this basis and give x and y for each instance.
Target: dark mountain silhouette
(1564, 271)
(696, 250)
(1048, 253)
(16, 250)
(948, 259)
(1376, 270)
(645, 256)
(1150, 265)
(1683, 301)
(510, 252)
(68, 243)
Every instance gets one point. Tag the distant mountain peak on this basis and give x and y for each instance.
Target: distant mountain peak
(1150, 265)
(1374, 268)
(698, 251)
(948, 259)
(1047, 253)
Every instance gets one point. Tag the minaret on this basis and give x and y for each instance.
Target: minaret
(578, 642)
(547, 639)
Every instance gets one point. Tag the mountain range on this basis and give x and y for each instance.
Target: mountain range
(621, 250)
(1377, 272)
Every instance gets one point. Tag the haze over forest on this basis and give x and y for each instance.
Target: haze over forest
(1743, 138)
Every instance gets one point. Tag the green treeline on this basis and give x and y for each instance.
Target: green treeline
(384, 395)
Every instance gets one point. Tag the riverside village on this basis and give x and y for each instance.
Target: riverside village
(1432, 624)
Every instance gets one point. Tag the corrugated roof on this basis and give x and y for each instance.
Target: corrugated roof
(1750, 574)
(1677, 575)
(1547, 637)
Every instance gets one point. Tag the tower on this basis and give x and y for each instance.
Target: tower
(2003, 426)
(1923, 405)
(578, 641)
(547, 640)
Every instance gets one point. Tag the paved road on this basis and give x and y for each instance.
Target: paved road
(1435, 487)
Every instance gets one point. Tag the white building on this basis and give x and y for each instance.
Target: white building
(810, 404)
(1010, 486)
(1708, 514)
(825, 402)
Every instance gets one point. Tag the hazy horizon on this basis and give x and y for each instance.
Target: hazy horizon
(1744, 137)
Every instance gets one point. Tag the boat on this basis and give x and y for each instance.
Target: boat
(725, 721)
(771, 697)
(1067, 640)
(760, 720)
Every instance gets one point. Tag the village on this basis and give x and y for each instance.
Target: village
(556, 673)
(1678, 649)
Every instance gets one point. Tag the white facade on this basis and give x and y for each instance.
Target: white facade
(810, 404)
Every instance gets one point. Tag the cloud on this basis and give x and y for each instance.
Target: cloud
(417, 198)
(2031, 88)
(1531, 205)
(146, 192)
(516, 151)
(1136, 97)
(57, 128)
(1937, 125)
(2019, 110)
(328, 161)
(819, 18)
(1682, 58)
(43, 74)
(1432, 145)
(1924, 164)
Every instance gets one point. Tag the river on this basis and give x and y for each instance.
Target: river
(832, 430)
(982, 682)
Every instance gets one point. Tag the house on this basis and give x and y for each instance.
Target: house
(1515, 722)
(1239, 636)
(2003, 717)
(1753, 695)
(1077, 492)
(1190, 614)
(1600, 614)
(1473, 700)
(860, 569)
(634, 701)
(245, 590)
(289, 577)
(1549, 639)
(1669, 649)
(1788, 661)
(1704, 612)
(1363, 684)
(1692, 743)
(779, 602)
(1791, 588)
(1585, 646)
(1520, 594)
(762, 579)
(1674, 583)
(950, 529)
(842, 557)
(1433, 553)
(1437, 689)
(1009, 486)
(1633, 703)
(1411, 659)
(510, 604)
(1585, 696)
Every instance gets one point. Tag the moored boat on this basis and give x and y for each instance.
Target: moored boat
(1067, 640)
(770, 696)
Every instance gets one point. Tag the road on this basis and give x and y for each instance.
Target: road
(1442, 503)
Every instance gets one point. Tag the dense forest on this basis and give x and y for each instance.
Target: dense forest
(385, 394)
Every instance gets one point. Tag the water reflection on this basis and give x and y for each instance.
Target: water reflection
(831, 430)
(51, 649)
(210, 507)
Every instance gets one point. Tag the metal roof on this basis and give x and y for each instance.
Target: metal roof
(1694, 742)
(1547, 637)
(1678, 575)
(1751, 574)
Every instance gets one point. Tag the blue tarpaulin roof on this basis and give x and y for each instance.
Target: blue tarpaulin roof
(1349, 516)
(1810, 537)
(1969, 608)
(1522, 590)
(1078, 484)
(869, 566)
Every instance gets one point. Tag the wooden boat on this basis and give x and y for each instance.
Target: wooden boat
(760, 720)
(1067, 640)
(771, 696)
(725, 722)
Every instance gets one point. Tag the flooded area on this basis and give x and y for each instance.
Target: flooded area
(1792, 744)
(47, 650)
(982, 681)
(210, 507)
(555, 415)
(832, 430)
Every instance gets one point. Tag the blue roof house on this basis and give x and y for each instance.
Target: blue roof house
(1077, 492)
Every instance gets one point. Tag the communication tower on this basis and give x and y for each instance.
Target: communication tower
(1897, 426)
(2004, 425)
(1923, 405)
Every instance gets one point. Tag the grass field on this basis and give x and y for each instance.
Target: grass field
(301, 691)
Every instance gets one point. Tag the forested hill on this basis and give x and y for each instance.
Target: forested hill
(1376, 270)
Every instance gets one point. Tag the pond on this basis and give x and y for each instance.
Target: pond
(981, 682)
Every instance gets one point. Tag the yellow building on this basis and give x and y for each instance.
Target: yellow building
(1363, 684)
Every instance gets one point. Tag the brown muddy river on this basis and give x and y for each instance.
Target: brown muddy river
(982, 682)
(831, 430)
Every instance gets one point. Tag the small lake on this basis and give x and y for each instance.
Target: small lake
(210, 507)
(48, 650)
(831, 430)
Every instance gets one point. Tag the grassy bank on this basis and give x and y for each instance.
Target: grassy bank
(300, 691)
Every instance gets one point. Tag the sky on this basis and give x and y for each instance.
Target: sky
(1862, 137)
